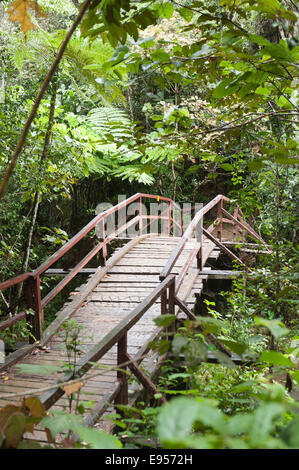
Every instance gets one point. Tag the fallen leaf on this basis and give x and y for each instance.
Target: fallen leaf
(72, 388)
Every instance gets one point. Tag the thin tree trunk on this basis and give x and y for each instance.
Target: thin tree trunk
(176, 102)
(37, 193)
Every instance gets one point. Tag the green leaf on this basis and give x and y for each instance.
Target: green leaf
(178, 344)
(210, 324)
(165, 320)
(276, 327)
(235, 346)
(210, 416)
(192, 169)
(160, 55)
(263, 421)
(166, 10)
(224, 360)
(227, 166)
(61, 421)
(291, 144)
(98, 439)
(287, 160)
(260, 40)
(205, 50)
(38, 369)
(176, 419)
(276, 358)
(278, 52)
(239, 424)
(262, 91)
(295, 376)
(243, 387)
(225, 88)
(284, 103)
(14, 429)
(255, 164)
(186, 13)
(146, 42)
(290, 434)
(29, 444)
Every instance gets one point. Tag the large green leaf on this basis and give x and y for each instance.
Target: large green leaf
(176, 419)
(225, 88)
(276, 358)
(38, 369)
(291, 433)
(98, 439)
(235, 346)
(62, 421)
(263, 421)
(276, 327)
(165, 320)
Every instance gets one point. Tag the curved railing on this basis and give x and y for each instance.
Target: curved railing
(165, 292)
(31, 281)
(196, 225)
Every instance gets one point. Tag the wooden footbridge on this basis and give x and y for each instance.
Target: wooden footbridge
(158, 271)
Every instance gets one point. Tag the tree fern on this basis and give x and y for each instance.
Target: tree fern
(114, 130)
(85, 61)
(110, 120)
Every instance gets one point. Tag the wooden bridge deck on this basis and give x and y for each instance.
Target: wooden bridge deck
(124, 286)
(149, 276)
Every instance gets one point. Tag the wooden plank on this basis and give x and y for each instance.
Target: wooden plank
(62, 272)
(16, 356)
(186, 287)
(138, 270)
(11, 321)
(110, 339)
(71, 308)
(146, 262)
(222, 274)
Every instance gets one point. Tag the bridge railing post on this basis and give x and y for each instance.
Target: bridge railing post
(219, 216)
(169, 218)
(164, 302)
(199, 238)
(171, 307)
(122, 376)
(104, 250)
(140, 216)
(34, 302)
(235, 227)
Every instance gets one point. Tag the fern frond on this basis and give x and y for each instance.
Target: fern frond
(110, 120)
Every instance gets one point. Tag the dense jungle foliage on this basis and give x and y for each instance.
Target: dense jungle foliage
(186, 99)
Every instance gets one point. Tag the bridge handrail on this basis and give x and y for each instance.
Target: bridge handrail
(32, 279)
(118, 335)
(218, 200)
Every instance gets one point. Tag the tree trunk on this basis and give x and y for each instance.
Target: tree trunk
(37, 193)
